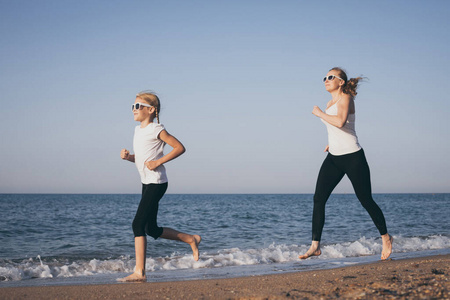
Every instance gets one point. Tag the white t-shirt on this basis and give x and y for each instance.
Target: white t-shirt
(341, 140)
(147, 147)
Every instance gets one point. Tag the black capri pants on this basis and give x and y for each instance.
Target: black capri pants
(332, 171)
(145, 220)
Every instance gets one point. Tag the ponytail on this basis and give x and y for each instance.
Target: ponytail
(351, 84)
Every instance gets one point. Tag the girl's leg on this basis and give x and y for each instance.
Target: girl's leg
(192, 240)
(152, 229)
(329, 176)
(359, 174)
(140, 247)
(145, 215)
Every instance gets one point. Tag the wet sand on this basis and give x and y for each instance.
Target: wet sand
(416, 278)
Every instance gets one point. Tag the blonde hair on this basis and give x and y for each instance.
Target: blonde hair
(350, 85)
(151, 99)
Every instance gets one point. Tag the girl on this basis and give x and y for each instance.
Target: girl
(148, 144)
(345, 156)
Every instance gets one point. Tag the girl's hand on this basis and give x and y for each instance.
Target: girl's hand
(317, 111)
(152, 165)
(124, 154)
(326, 149)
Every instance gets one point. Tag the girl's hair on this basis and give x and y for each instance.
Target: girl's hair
(351, 84)
(151, 99)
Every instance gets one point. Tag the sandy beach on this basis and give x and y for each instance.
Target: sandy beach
(416, 278)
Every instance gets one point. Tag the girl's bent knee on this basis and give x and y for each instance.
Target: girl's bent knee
(138, 229)
(154, 232)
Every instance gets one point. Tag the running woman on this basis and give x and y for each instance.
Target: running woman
(345, 157)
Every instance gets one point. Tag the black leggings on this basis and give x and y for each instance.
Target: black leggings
(332, 170)
(145, 220)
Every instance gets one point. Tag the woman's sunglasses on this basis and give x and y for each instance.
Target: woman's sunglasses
(330, 78)
(139, 106)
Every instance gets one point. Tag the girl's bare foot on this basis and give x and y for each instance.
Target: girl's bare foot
(135, 277)
(387, 246)
(194, 246)
(314, 250)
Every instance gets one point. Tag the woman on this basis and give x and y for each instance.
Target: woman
(345, 157)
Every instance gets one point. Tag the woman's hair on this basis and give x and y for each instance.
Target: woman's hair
(351, 84)
(151, 99)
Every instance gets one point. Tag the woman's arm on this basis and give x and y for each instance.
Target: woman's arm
(177, 150)
(125, 155)
(343, 110)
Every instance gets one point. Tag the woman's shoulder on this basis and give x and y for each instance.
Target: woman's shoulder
(345, 100)
(346, 103)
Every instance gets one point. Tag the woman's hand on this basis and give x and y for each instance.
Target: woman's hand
(125, 154)
(317, 111)
(326, 148)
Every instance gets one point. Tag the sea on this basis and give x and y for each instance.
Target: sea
(79, 239)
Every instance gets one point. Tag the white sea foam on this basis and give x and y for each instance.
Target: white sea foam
(53, 268)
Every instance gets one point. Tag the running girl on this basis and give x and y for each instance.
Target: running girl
(148, 143)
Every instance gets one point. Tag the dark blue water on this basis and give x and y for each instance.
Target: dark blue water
(89, 236)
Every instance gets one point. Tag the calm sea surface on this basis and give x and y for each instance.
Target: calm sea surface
(81, 239)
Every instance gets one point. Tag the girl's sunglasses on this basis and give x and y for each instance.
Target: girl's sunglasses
(330, 78)
(139, 106)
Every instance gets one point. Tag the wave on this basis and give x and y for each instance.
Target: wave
(60, 267)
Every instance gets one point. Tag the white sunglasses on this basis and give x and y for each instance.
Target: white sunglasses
(331, 77)
(139, 106)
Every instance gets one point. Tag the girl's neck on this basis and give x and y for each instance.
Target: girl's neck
(145, 123)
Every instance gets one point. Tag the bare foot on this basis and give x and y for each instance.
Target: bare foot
(194, 246)
(314, 250)
(387, 246)
(135, 277)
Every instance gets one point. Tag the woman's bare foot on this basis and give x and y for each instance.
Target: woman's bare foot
(388, 240)
(314, 250)
(135, 277)
(194, 246)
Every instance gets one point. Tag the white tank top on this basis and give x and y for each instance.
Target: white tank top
(341, 140)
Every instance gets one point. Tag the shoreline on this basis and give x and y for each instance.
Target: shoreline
(419, 277)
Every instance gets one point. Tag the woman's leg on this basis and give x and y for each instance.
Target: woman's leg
(329, 176)
(359, 174)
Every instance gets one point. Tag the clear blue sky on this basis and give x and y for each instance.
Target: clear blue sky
(237, 80)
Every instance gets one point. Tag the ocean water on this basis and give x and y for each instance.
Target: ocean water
(50, 239)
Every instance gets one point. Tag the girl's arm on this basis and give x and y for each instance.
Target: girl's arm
(343, 110)
(177, 150)
(125, 155)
